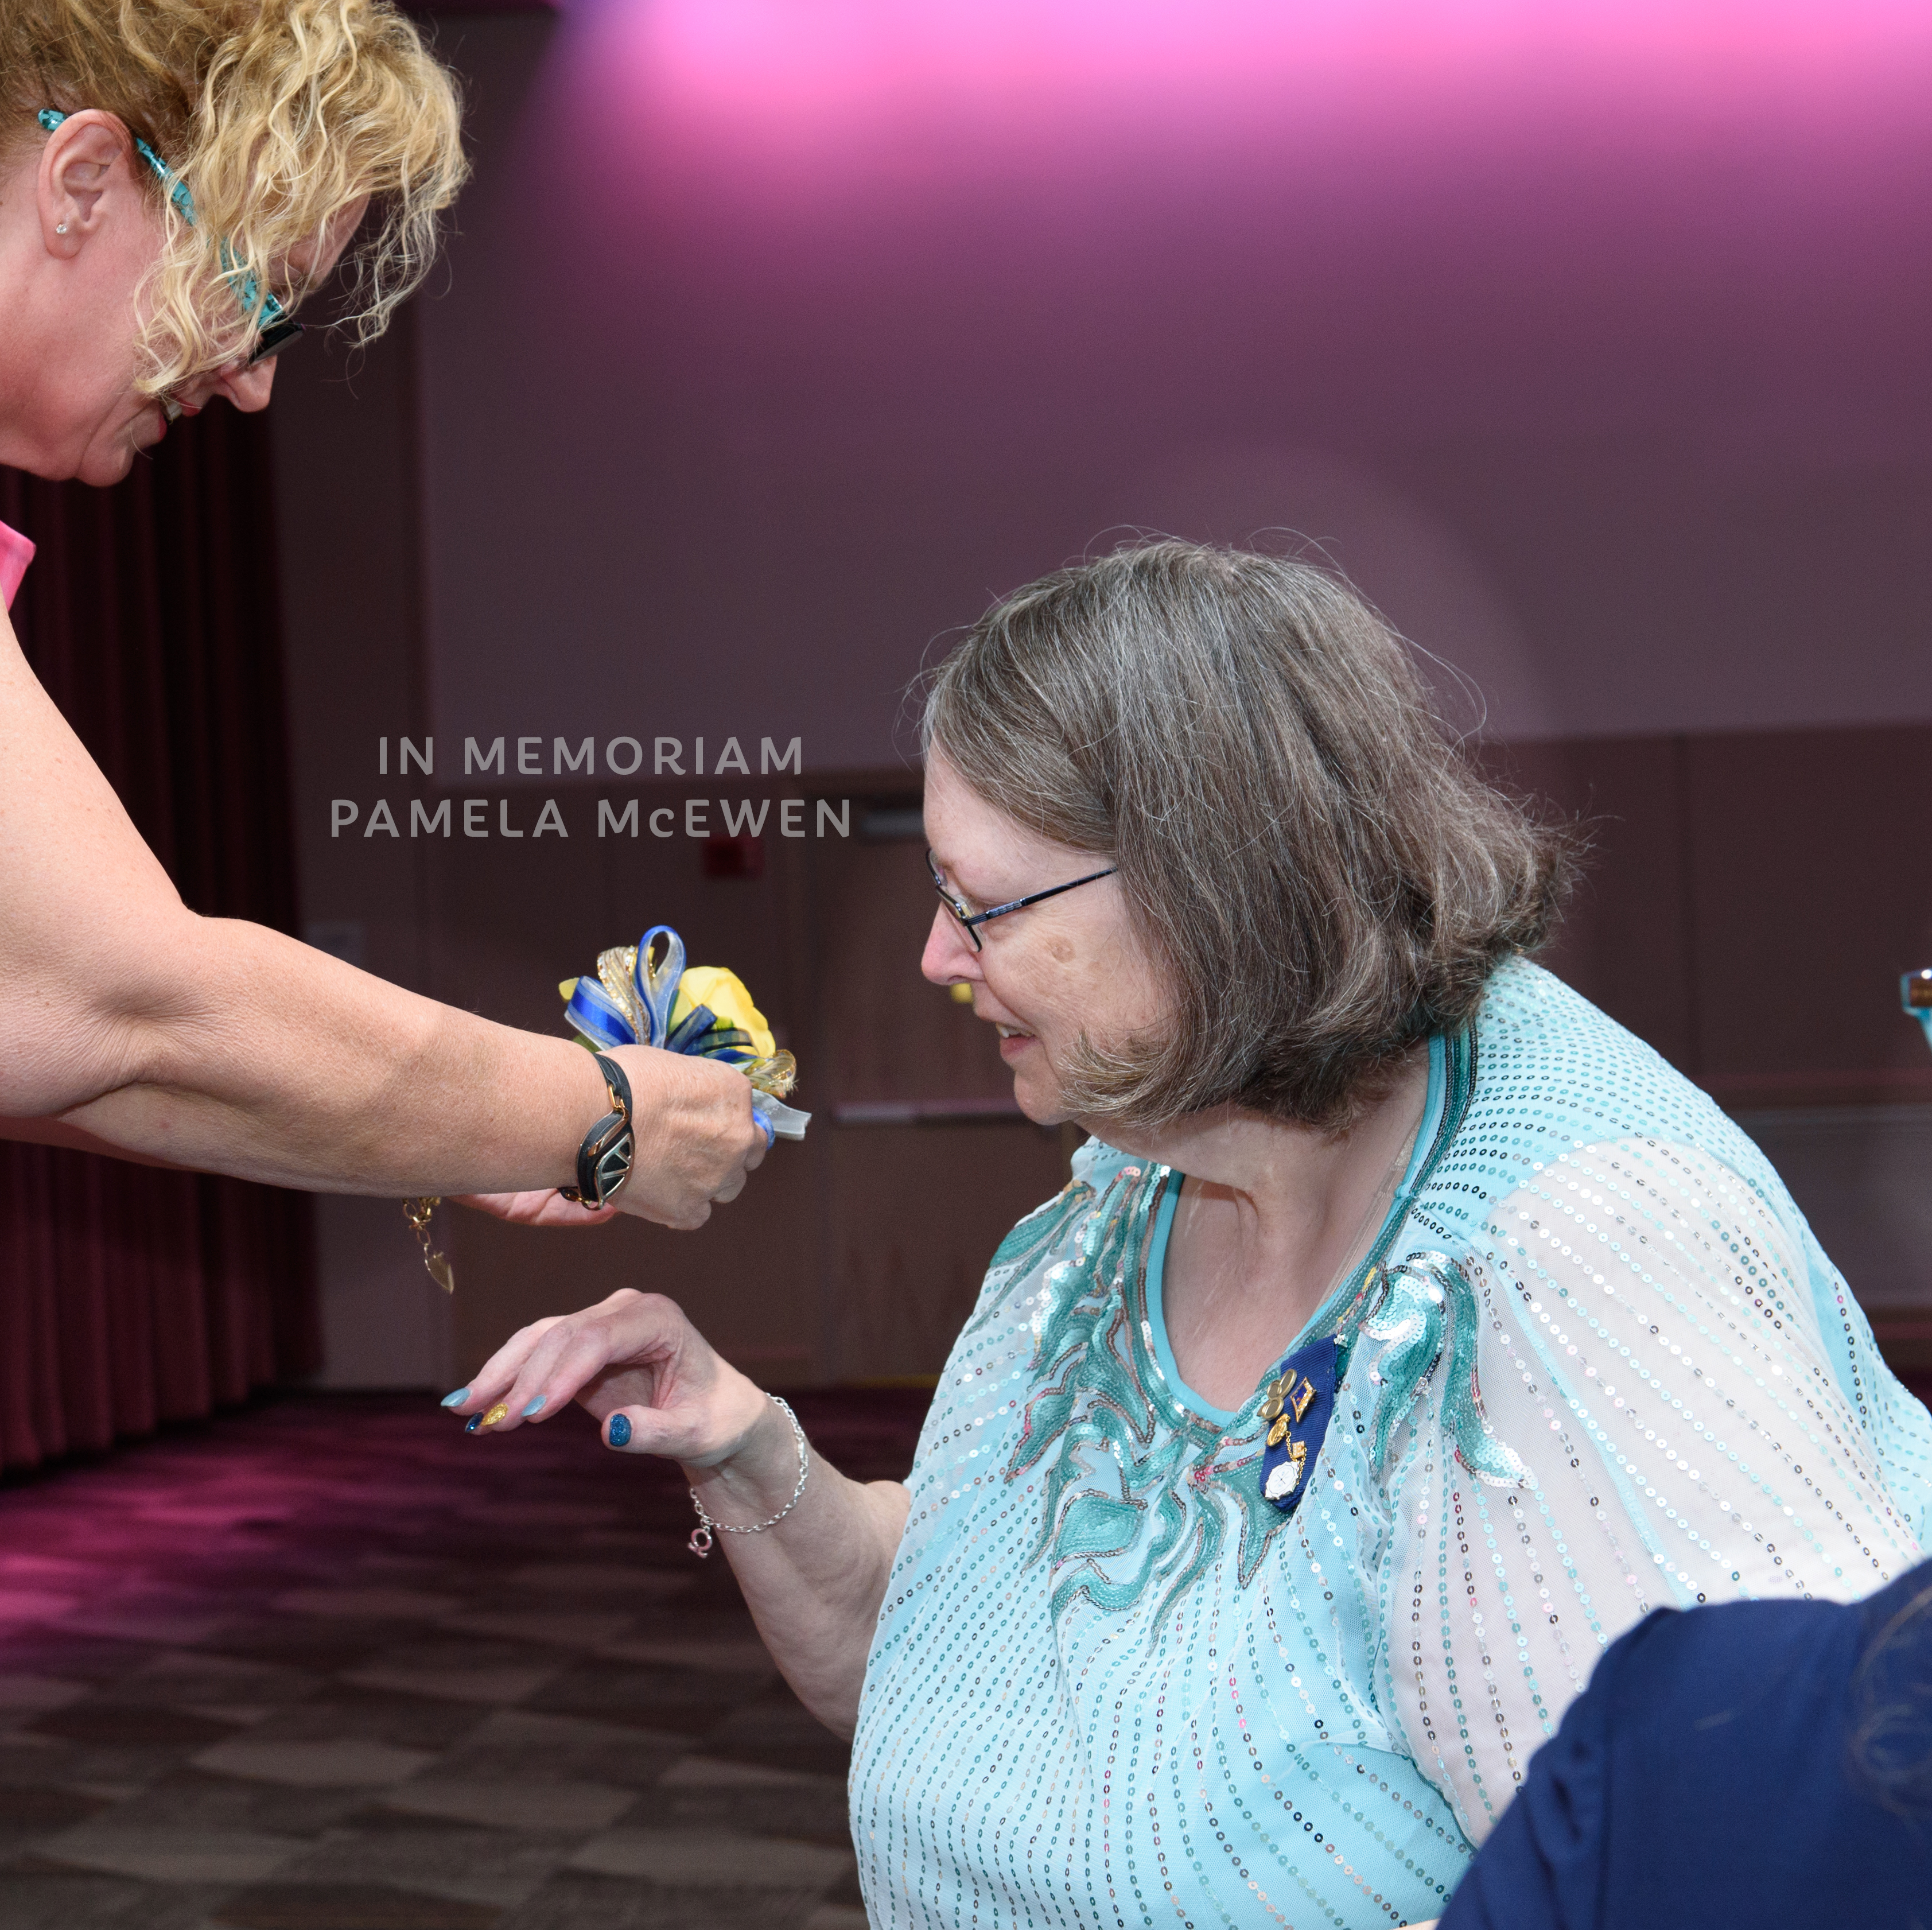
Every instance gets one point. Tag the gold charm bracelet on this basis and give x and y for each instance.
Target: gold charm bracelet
(417, 1212)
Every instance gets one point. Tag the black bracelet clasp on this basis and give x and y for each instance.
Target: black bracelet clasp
(604, 1159)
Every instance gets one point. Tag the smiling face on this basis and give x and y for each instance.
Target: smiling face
(80, 234)
(1046, 976)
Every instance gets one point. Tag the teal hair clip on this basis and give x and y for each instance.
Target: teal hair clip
(276, 328)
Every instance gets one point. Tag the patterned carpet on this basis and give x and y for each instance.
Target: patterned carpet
(328, 1664)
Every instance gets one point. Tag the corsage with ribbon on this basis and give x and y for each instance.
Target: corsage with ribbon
(645, 994)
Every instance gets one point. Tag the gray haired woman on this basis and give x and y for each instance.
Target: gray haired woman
(1407, 1330)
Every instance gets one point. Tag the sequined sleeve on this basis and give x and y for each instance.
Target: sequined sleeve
(1653, 1349)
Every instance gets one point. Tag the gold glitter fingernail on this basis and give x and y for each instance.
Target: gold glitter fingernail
(496, 1414)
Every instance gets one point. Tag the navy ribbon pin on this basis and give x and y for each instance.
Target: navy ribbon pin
(1300, 1399)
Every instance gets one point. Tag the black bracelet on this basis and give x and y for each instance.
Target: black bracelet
(604, 1159)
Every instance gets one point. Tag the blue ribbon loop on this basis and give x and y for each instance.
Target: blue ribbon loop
(598, 1015)
(1303, 1391)
(657, 984)
(640, 1012)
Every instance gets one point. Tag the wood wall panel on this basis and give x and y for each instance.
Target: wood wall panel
(1625, 941)
(891, 1035)
(1862, 1176)
(1749, 901)
(752, 1280)
(1812, 878)
(917, 1211)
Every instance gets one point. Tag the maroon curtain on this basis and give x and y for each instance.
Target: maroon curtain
(130, 1296)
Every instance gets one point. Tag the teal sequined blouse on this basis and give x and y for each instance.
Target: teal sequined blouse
(1599, 1365)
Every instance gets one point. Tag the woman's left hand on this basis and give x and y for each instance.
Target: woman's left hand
(814, 1581)
(634, 1354)
(546, 1208)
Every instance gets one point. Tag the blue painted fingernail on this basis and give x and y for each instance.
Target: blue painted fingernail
(456, 1399)
(620, 1430)
(475, 1421)
(534, 1405)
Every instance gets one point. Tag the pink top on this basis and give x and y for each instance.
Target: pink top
(15, 553)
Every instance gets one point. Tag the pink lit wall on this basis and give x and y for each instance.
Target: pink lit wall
(1592, 340)
(779, 336)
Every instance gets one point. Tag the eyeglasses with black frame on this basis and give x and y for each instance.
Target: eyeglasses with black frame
(970, 921)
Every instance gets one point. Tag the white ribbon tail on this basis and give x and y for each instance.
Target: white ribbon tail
(786, 1121)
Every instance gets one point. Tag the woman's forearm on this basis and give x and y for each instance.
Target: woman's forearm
(224, 1047)
(126, 1019)
(71, 1138)
(131, 1024)
(814, 1581)
(234, 1048)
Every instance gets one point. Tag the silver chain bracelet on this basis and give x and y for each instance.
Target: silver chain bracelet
(699, 1544)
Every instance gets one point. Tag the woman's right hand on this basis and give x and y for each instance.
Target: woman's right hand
(698, 1139)
(636, 1354)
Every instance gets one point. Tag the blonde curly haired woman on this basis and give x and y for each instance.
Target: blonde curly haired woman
(176, 176)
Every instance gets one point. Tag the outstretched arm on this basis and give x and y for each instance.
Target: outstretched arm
(130, 1024)
(815, 1580)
